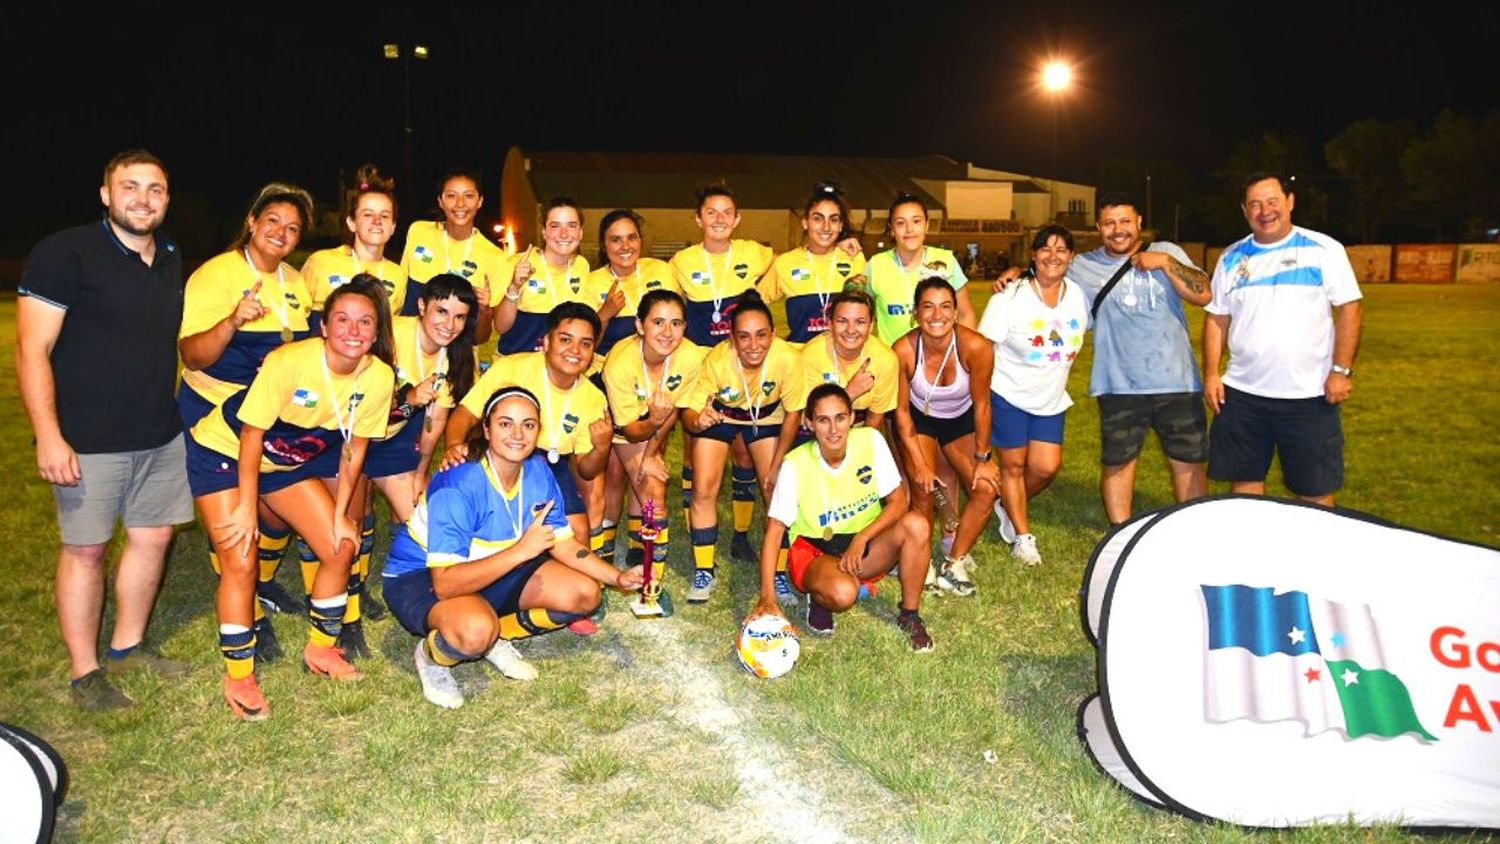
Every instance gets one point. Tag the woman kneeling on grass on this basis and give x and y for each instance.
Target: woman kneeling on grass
(841, 499)
(308, 416)
(487, 558)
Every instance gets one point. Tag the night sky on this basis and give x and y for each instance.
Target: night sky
(277, 95)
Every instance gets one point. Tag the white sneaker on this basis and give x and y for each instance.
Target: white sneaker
(954, 576)
(1006, 526)
(702, 586)
(1025, 550)
(930, 585)
(438, 685)
(508, 661)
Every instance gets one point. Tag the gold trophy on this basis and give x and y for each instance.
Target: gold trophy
(652, 601)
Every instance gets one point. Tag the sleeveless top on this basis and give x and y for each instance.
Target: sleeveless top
(946, 402)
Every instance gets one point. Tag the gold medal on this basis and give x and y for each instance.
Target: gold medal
(286, 335)
(348, 452)
(827, 533)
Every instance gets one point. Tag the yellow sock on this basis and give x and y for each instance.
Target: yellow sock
(439, 651)
(270, 547)
(237, 644)
(213, 562)
(309, 566)
(596, 540)
(744, 512)
(325, 617)
(633, 532)
(527, 623)
(781, 560)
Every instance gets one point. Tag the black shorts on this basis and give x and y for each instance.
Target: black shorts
(1305, 433)
(1177, 418)
(411, 597)
(943, 430)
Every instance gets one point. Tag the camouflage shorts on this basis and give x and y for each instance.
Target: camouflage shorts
(1177, 418)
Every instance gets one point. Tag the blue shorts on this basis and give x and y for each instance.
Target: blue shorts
(1305, 433)
(572, 502)
(210, 472)
(398, 454)
(411, 597)
(1012, 427)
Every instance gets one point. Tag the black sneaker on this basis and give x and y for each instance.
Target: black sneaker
(740, 549)
(352, 640)
(95, 693)
(274, 598)
(370, 606)
(911, 624)
(267, 648)
(819, 618)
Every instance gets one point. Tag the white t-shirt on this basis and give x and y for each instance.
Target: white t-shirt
(1035, 345)
(1277, 296)
(840, 485)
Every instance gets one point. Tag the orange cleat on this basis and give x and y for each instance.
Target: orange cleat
(326, 661)
(245, 699)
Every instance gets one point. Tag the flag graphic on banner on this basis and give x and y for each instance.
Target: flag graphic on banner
(1288, 657)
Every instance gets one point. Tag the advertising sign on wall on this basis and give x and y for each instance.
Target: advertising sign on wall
(1425, 263)
(1478, 263)
(1372, 264)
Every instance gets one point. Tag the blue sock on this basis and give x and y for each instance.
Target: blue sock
(120, 653)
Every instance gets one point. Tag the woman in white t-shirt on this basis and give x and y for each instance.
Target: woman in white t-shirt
(1037, 327)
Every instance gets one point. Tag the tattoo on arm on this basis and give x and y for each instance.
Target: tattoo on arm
(582, 552)
(1194, 279)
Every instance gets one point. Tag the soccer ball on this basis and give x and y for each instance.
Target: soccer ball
(768, 646)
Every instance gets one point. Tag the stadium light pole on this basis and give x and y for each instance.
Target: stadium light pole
(404, 53)
(1056, 80)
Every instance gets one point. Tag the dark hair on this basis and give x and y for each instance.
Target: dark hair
(900, 200)
(750, 301)
(656, 297)
(823, 391)
(562, 202)
(573, 310)
(1049, 231)
(932, 282)
(478, 441)
(826, 191)
(270, 195)
(460, 173)
(846, 296)
(1112, 198)
(371, 288)
(610, 219)
(367, 180)
(461, 350)
(130, 157)
(1262, 175)
(707, 192)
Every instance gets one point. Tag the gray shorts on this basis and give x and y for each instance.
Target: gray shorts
(140, 488)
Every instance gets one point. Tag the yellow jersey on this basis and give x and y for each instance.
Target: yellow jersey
(817, 501)
(747, 397)
(806, 281)
(212, 293)
(413, 367)
(894, 287)
(328, 269)
(820, 365)
(650, 274)
(628, 387)
(301, 405)
(711, 282)
(547, 288)
(566, 414)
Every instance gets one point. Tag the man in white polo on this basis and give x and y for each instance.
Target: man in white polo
(1286, 301)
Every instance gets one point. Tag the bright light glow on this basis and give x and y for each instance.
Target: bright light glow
(1057, 76)
(419, 51)
(392, 51)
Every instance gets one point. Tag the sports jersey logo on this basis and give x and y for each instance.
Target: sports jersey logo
(843, 268)
(699, 277)
(536, 284)
(742, 270)
(390, 286)
(766, 387)
(537, 508)
(569, 422)
(336, 281)
(799, 274)
(640, 393)
(424, 254)
(575, 283)
(304, 398)
(830, 378)
(469, 267)
(673, 382)
(895, 310)
(729, 395)
(938, 268)
(402, 377)
(291, 301)
(865, 474)
(653, 284)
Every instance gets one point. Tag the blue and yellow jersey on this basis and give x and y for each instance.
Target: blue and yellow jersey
(430, 251)
(806, 281)
(821, 366)
(817, 501)
(547, 288)
(626, 384)
(650, 274)
(565, 414)
(465, 515)
(747, 397)
(328, 269)
(413, 367)
(894, 287)
(298, 402)
(710, 282)
(212, 293)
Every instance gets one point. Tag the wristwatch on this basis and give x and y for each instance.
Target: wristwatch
(981, 456)
(1342, 370)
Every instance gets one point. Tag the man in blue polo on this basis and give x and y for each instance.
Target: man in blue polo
(96, 357)
(1286, 301)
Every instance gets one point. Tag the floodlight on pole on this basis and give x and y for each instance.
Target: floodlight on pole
(1057, 76)
(395, 52)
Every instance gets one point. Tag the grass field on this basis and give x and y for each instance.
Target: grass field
(651, 730)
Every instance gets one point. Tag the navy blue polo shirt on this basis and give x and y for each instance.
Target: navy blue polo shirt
(114, 365)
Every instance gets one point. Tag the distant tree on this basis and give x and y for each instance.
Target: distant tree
(1288, 155)
(1171, 188)
(1367, 155)
(1451, 176)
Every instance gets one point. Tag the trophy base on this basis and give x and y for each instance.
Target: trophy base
(661, 609)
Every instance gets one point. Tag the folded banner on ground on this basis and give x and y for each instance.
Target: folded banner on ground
(1269, 663)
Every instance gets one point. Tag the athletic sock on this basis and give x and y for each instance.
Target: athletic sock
(743, 493)
(270, 548)
(309, 566)
(120, 653)
(524, 624)
(237, 644)
(633, 532)
(596, 541)
(442, 653)
(782, 554)
(325, 617)
(607, 533)
(687, 489)
(355, 593)
(704, 540)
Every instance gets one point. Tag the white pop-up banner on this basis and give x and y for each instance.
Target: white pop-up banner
(1269, 663)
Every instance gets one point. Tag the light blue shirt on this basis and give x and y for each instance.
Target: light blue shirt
(1141, 344)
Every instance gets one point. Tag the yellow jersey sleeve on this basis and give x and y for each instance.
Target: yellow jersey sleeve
(498, 375)
(215, 288)
(705, 384)
(374, 388)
